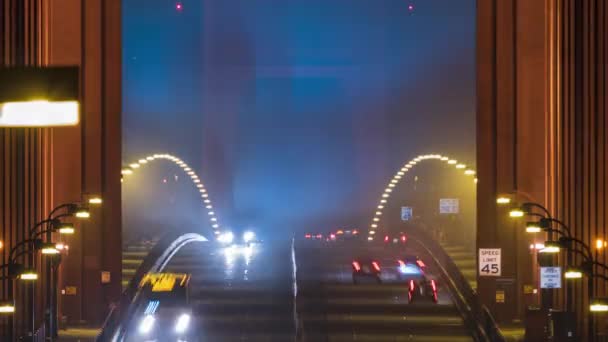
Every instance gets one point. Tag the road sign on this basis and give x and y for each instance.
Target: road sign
(406, 213)
(489, 262)
(448, 206)
(550, 277)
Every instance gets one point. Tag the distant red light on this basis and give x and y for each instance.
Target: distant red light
(308, 236)
(433, 285)
(332, 236)
(410, 7)
(356, 266)
(376, 266)
(403, 238)
(179, 6)
(386, 238)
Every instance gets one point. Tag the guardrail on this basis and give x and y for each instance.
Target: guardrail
(121, 313)
(477, 317)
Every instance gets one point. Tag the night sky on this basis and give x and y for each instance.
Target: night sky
(297, 112)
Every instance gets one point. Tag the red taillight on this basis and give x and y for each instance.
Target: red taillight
(420, 263)
(319, 236)
(401, 263)
(355, 232)
(386, 238)
(376, 266)
(332, 236)
(433, 285)
(308, 236)
(412, 286)
(356, 266)
(403, 238)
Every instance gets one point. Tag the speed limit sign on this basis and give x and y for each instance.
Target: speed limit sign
(489, 262)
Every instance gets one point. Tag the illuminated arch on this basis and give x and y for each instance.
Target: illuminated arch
(134, 166)
(375, 222)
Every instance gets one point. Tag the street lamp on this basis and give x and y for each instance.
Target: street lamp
(95, 200)
(49, 248)
(28, 275)
(39, 97)
(516, 212)
(7, 307)
(551, 247)
(66, 228)
(503, 200)
(533, 227)
(598, 305)
(573, 273)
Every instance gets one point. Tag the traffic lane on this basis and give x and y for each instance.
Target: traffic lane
(239, 293)
(332, 308)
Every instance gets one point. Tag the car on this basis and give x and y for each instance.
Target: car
(346, 234)
(247, 238)
(399, 238)
(420, 286)
(163, 311)
(366, 268)
(313, 236)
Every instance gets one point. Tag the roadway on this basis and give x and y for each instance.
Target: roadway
(241, 294)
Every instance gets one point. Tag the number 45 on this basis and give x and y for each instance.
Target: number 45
(490, 268)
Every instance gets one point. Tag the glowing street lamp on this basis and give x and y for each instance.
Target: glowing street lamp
(28, 275)
(533, 227)
(95, 200)
(7, 307)
(600, 244)
(551, 247)
(503, 200)
(598, 305)
(49, 249)
(39, 97)
(66, 228)
(126, 171)
(516, 212)
(573, 273)
(82, 212)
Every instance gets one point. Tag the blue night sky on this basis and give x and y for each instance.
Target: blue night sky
(297, 112)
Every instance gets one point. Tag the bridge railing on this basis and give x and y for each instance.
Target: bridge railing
(476, 316)
(121, 313)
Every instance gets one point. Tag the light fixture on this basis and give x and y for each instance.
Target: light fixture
(126, 171)
(598, 305)
(469, 172)
(533, 227)
(49, 250)
(573, 273)
(134, 165)
(7, 308)
(503, 200)
(516, 212)
(66, 228)
(39, 113)
(551, 247)
(372, 232)
(460, 166)
(452, 162)
(599, 243)
(28, 275)
(82, 212)
(95, 200)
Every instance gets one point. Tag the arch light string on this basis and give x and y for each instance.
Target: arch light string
(200, 187)
(399, 175)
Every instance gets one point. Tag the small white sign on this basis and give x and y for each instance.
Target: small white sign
(448, 206)
(489, 262)
(406, 213)
(550, 277)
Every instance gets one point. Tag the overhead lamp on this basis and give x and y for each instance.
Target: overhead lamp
(516, 212)
(533, 227)
(126, 171)
(49, 249)
(551, 247)
(452, 161)
(573, 273)
(134, 165)
(66, 228)
(28, 275)
(598, 305)
(469, 172)
(82, 212)
(460, 166)
(7, 307)
(503, 200)
(599, 243)
(95, 200)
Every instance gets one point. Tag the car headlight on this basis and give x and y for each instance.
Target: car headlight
(146, 324)
(182, 323)
(248, 236)
(226, 238)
